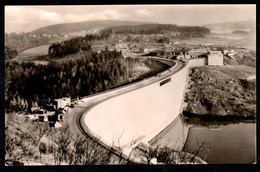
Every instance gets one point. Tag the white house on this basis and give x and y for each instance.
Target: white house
(215, 58)
(229, 51)
(176, 43)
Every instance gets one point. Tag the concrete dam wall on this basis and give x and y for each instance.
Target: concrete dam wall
(139, 115)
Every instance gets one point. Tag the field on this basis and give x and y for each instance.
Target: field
(37, 50)
(33, 54)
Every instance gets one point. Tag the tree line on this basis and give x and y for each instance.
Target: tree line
(185, 31)
(74, 45)
(71, 46)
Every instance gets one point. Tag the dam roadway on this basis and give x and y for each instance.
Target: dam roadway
(128, 115)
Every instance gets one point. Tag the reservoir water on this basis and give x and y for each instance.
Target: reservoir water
(229, 141)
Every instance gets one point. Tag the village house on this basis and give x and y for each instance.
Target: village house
(229, 52)
(62, 102)
(176, 43)
(146, 50)
(226, 52)
(121, 46)
(215, 58)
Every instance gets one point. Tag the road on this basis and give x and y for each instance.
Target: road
(75, 118)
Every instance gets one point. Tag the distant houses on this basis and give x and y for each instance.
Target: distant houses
(49, 35)
(213, 55)
(121, 46)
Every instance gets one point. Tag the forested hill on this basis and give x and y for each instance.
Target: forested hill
(55, 33)
(188, 31)
(66, 28)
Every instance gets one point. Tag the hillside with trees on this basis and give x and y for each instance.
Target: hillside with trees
(74, 45)
(65, 28)
(45, 35)
(23, 41)
(85, 74)
(180, 31)
(90, 74)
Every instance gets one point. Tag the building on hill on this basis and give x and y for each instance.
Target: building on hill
(197, 53)
(62, 102)
(176, 43)
(228, 51)
(121, 46)
(215, 58)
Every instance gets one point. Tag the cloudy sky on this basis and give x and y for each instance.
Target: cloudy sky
(28, 18)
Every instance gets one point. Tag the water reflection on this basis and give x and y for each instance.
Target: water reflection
(211, 121)
(225, 140)
(230, 140)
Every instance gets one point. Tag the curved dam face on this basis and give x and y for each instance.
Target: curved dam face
(139, 114)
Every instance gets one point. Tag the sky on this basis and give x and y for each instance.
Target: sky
(28, 18)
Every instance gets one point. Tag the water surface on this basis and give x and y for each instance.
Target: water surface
(232, 143)
(224, 140)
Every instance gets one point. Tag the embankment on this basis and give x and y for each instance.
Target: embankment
(222, 91)
(141, 113)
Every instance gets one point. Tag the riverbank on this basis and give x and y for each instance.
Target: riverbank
(222, 91)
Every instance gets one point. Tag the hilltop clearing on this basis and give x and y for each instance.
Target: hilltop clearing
(225, 90)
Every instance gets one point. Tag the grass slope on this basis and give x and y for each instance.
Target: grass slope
(224, 90)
